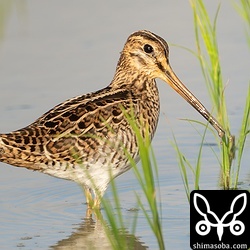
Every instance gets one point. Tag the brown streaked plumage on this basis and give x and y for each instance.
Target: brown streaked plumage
(83, 138)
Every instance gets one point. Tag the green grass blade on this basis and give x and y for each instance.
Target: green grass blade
(244, 131)
(208, 54)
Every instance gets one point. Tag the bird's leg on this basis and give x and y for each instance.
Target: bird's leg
(89, 198)
(98, 198)
(89, 213)
(93, 198)
(93, 205)
(97, 203)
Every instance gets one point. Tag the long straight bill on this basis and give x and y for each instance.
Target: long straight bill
(181, 89)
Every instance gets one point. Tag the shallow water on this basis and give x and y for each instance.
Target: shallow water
(54, 50)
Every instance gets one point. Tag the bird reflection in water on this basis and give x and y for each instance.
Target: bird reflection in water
(92, 234)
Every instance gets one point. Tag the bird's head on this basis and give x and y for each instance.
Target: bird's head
(148, 55)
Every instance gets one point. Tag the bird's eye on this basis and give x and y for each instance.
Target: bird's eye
(148, 48)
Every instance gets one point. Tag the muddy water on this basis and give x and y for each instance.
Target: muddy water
(54, 50)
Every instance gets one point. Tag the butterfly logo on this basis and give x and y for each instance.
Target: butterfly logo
(203, 227)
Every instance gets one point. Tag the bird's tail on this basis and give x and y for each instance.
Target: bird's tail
(14, 154)
(7, 154)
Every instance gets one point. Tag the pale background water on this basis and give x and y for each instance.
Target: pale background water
(54, 50)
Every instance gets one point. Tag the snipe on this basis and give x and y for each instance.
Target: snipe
(83, 138)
